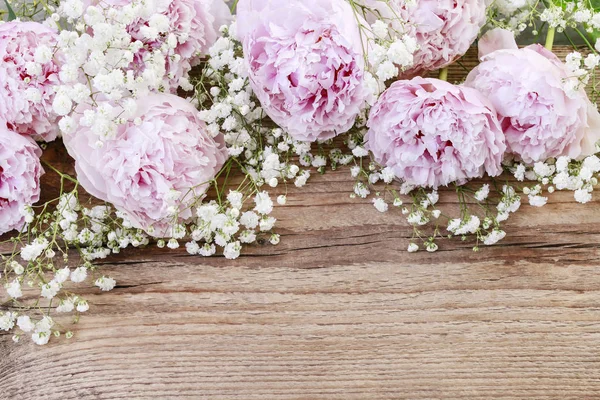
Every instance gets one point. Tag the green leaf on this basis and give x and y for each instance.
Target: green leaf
(11, 13)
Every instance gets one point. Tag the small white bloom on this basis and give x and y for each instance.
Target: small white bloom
(413, 247)
(7, 321)
(380, 204)
(82, 306)
(274, 240)
(482, 193)
(583, 196)
(360, 151)
(24, 323)
(105, 284)
(50, 289)
(14, 289)
(538, 201)
(264, 204)
(79, 274)
(494, 237)
(232, 250)
(62, 275)
(65, 306)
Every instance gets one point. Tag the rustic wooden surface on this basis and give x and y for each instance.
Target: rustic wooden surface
(339, 310)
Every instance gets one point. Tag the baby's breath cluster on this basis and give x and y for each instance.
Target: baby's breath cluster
(40, 272)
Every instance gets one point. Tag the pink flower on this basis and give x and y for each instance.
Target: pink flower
(195, 24)
(527, 87)
(27, 84)
(20, 172)
(432, 133)
(306, 64)
(150, 170)
(444, 29)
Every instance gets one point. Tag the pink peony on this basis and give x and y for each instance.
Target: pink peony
(148, 170)
(306, 64)
(195, 23)
(26, 86)
(20, 172)
(527, 87)
(432, 133)
(444, 29)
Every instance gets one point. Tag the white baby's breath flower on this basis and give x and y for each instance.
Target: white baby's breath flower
(380, 204)
(232, 250)
(14, 289)
(50, 289)
(79, 274)
(105, 283)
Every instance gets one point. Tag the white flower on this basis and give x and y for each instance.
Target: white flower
(520, 173)
(413, 247)
(360, 151)
(207, 250)
(14, 289)
(433, 197)
(562, 163)
(380, 29)
(274, 240)
(494, 237)
(538, 201)
(232, 250)
(82, 306)
(41, 338)
(543, 170)
(247, 237)
(387, 174)
(79, 274)
(361, 190)
(380, 204)
(192, 247)
(62, 275)
(319, 161)
(281, 200)
(431, 247)
(354, 171)
(50, 289)
(105, 284)
(206, 212)
(65, 306)
(482, 193)
(33, 250)
(45, 324)
(7, 321)
(24, 323)
(73, 8)
(264, 204)
(387, 70)
(62, 104)
(249, 219)
(462, 227)
(235, 199)
(266, 224)
(583, 196)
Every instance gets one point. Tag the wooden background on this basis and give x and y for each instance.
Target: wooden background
(338, 310)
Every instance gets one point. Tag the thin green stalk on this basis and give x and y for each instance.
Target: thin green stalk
(444, 74)
(550, 38)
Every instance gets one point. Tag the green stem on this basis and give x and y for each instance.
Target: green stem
(444, 74)
(550, 38)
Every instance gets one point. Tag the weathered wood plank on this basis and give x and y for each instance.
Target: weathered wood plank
(339, 310)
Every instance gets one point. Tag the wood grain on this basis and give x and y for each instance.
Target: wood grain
(339, 310)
